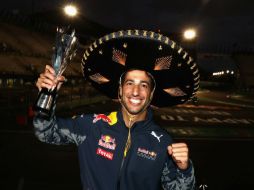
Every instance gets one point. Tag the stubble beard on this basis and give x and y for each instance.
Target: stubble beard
(133, 112)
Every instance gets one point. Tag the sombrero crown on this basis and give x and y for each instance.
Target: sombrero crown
(175, 72)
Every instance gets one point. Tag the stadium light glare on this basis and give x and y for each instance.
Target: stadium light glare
(190, 34)
(70, 10)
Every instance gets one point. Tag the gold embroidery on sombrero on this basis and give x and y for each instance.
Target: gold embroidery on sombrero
(163, 63)
(98, 78)
(180, 50)
(185, 55)
(119, 57)
(193, 66)
(95, 45)
(175, 91)
(160, 36)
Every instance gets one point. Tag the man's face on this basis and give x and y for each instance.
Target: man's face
(136, 91)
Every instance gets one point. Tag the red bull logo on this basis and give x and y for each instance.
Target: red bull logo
(108, 139)
(102, 117)
(108, 142)
(151, 155)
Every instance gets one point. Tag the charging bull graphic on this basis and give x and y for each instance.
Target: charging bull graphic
(111, 119)
(108, 142)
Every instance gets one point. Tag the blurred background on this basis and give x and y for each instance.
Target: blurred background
(217, 124)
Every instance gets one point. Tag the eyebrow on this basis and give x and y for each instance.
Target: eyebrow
(135, 81)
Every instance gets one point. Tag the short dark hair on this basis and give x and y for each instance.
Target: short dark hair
(152, 80)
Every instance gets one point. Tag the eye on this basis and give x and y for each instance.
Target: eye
(128, 83)
(144, 85)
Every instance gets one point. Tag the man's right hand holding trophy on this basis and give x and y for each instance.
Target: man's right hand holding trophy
(50, 81)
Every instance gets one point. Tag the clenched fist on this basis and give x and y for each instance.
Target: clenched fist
(180, 154)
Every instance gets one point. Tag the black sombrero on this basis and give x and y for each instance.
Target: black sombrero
(175, 72)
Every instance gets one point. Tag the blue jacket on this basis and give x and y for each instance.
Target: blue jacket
(101, 142)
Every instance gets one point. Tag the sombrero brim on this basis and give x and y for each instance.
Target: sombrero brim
(175, 72)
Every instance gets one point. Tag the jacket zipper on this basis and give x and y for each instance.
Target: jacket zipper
(126, 149)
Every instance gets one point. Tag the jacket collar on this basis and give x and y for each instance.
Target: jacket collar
(139, 125)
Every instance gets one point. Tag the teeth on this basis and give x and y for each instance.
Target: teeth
(135, 101)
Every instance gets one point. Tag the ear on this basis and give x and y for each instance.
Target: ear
(120, 92)
(151, 95)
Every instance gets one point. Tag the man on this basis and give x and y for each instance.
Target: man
(123, 149)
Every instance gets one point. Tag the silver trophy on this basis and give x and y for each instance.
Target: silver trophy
(65, 49)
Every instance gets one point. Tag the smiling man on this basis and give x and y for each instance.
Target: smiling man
(126, 149)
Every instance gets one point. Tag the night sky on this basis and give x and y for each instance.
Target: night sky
(218, 22)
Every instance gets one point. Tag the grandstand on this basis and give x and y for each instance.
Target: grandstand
(26, 43)
(24, 54)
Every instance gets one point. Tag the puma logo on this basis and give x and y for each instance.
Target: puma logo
(156, 136)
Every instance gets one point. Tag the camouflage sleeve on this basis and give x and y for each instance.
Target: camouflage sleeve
(176, 179)
(61, 131)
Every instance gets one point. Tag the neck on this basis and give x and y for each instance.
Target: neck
(130, 119)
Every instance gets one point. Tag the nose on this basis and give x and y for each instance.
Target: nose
(135, 90)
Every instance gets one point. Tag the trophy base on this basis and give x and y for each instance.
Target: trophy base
(43, 114)
(43, 107)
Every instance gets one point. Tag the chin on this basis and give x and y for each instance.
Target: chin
(135, 111)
